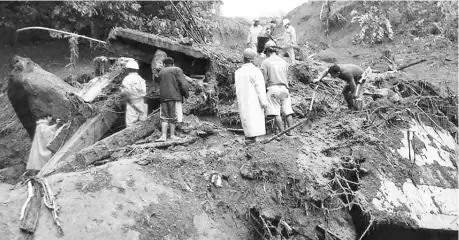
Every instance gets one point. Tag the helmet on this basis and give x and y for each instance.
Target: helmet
(270, 43)
(132, 64)
(285, 22)
(249, 53)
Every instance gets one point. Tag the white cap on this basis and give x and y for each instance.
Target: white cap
(256, 19)
(249, 53)
(270, 43)
(285, 22)
(132, 64)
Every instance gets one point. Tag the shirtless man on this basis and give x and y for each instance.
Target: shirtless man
(350, 73)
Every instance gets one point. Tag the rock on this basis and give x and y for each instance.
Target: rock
(36, 93)
(305, 71)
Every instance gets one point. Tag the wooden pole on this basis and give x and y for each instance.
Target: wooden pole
(59, 31)
(411, 64)
(298, 123)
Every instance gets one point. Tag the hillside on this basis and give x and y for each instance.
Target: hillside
(338, 46)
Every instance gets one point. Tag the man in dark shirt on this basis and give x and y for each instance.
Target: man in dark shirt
(352, 75)
(172, 89)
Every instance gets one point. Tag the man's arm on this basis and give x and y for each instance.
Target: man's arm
(249, 35)
(324, 74)
(183, 85)
(260, 89)
(293, 35)
(350, 81)
(264, 71)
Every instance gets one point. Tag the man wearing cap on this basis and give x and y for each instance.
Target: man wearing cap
(275, 72)
(265, 35)
(255, 30)
(289, 38)
(134, 89)
(173, 87)
(251, 97)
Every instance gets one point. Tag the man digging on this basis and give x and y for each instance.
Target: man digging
(352, 75)
(172, 89)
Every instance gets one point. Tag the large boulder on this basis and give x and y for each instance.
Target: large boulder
(36, 93)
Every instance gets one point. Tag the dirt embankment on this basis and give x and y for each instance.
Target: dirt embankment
(338, 45)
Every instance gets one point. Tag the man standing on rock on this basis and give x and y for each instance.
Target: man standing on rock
(251, 97)
(172, 89)
(289, 40)
(352, 75)
(275, 72)
(134, 89)
(252, 38)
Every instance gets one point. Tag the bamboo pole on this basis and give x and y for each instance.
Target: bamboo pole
(59, 31)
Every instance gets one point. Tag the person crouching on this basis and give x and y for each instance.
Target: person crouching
(173, 88)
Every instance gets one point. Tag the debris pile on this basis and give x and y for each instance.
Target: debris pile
(345, 175)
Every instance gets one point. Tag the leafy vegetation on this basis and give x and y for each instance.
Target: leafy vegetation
(98, 17)
(379, 20)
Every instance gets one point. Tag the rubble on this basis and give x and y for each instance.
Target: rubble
(389, 169)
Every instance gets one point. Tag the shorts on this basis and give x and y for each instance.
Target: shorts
(279, 101)
(171, 111)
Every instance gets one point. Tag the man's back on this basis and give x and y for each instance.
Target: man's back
(172, 84)
(275, 71)
(135, 85)
(348, 70)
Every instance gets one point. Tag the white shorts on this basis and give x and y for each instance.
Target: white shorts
(279, 101)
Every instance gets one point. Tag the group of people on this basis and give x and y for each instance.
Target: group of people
(263, 92)
(259, 35)
(173, 89)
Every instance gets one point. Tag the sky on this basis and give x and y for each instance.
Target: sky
(258, 8)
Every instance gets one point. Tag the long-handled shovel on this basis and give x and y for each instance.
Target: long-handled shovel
(298, 123)
(358, 101)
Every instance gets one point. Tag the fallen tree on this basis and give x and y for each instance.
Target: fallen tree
(103, 148)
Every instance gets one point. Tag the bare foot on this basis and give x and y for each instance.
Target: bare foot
(174, 138)
(161, 139)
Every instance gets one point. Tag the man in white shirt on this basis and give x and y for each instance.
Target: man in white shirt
(251, 97)
(134, 90)
(252, 38)
(289, 41)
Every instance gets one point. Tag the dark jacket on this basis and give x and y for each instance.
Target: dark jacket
(172, 84)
